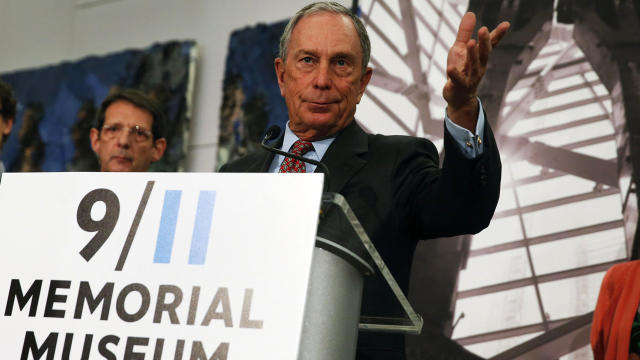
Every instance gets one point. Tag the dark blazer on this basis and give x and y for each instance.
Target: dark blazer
(400, 195)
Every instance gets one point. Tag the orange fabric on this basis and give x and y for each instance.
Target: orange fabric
(617, 304)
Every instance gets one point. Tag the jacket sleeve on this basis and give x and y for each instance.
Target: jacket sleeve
(460, 198)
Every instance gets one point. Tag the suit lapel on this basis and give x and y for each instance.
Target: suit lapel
(343, 156)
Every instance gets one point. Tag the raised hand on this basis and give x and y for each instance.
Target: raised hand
(466, 65)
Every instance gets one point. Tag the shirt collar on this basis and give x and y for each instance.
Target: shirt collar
(319, 146)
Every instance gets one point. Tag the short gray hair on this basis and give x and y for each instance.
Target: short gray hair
(332, 7)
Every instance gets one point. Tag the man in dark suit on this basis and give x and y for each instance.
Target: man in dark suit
(393, 183)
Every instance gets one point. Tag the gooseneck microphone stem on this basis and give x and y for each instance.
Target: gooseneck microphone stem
(324, 167)
(272, 133)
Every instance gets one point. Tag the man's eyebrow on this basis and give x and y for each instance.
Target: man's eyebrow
(337, 55)
(343, 55)
(305, 52)
(112, 123)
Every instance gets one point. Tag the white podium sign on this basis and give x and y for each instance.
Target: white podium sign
(155, 266)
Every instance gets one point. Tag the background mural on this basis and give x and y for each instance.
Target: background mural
(251, 98)
(57, 105)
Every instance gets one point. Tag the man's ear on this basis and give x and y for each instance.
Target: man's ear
(8, 126)
(364, 80)
(159, 146)
(94, 136)
(279, 65)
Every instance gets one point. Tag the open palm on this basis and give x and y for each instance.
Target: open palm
(466, 64)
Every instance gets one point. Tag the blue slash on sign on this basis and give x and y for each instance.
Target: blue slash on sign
(201, 227)
(167, 230)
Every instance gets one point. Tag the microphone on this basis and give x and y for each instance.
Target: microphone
(273, 132)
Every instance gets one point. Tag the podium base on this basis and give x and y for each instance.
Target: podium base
(332, 312)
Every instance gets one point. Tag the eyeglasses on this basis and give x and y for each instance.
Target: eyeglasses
(139, 133)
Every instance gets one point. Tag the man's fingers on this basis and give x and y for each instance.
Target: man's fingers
(497, 33)
(484, 44)
(467, 23)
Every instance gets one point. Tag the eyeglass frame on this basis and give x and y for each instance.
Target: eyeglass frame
(135, 131)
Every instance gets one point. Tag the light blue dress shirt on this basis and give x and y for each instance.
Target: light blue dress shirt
(470, 144)
(319, 148)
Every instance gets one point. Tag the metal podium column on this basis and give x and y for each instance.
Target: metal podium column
(332, 312)
(343, 256)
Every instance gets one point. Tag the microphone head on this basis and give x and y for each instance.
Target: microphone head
(273, 132)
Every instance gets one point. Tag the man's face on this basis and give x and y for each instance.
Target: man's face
(5, 127)
(322, 79)
(120, 150)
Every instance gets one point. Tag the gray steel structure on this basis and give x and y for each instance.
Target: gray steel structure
(598, 35)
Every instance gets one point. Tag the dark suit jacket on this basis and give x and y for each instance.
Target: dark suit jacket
(400, 195)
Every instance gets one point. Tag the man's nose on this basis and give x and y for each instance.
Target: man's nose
(323, 76)
(124, 137)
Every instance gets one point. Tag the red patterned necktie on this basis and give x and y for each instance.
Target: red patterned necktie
(290, 165)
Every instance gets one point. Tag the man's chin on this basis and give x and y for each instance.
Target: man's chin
(119, 166)
(318, 128)
(321, 120)
(118, 169)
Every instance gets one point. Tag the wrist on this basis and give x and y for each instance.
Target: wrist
(465, 115)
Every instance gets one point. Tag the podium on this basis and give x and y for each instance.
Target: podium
(179, 266)
(343, 256)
